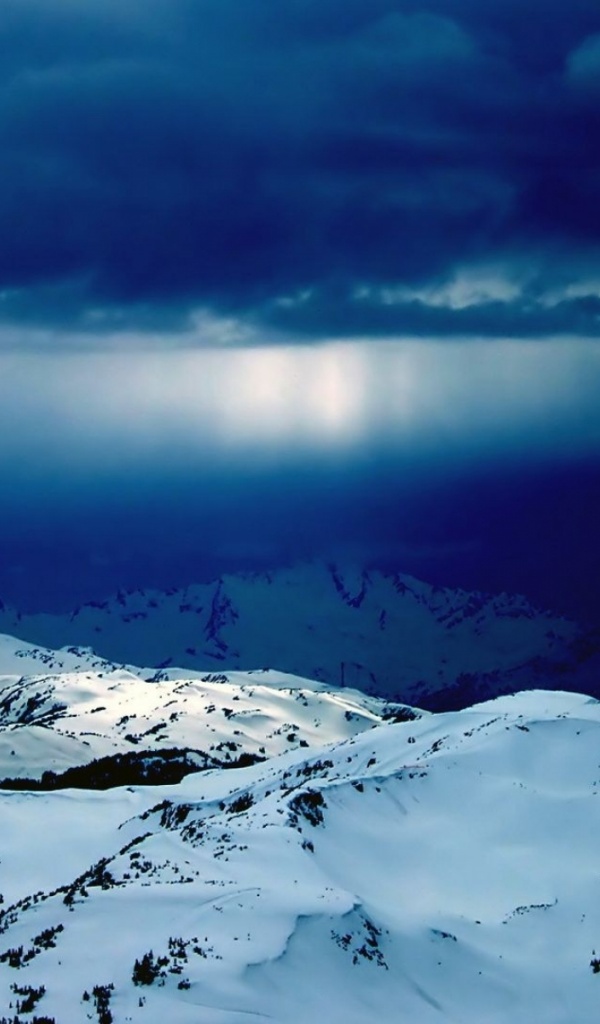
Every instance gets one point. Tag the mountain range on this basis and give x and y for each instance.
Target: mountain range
(190, 841)
(384, 633)
(86, 722)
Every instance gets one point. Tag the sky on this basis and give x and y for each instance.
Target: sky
(299, 279)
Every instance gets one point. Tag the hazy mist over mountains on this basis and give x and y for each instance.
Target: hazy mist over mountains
(465, 464)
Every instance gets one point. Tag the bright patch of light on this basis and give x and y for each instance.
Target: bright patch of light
(445, 399)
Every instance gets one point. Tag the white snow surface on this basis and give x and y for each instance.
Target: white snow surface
(20, 658)
(442, 869)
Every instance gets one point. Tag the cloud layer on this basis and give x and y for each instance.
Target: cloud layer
(313, 168)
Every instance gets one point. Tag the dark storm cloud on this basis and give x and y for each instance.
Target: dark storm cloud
(273, 161)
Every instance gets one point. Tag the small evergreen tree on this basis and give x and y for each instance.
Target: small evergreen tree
(146, 970)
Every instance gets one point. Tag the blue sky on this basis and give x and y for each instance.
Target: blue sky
(285, 279)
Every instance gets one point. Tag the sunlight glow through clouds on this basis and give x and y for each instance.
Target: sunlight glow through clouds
(300, 394)
(281, 401)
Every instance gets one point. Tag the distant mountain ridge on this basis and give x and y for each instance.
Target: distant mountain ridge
(382, 632)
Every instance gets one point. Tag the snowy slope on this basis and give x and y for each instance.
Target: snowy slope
(438, 870)
(164, 719)
(17, 657)
(387, 634)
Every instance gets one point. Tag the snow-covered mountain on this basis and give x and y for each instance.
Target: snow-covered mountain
(384, 633)
(124, 724)
(442, 869)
